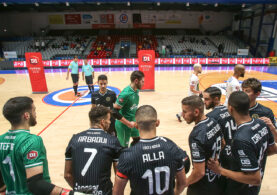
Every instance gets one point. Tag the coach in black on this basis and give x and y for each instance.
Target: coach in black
(151, 164)
(90, 154)
(104, 97)
(252, 142)
(253, 87)
(205, 141)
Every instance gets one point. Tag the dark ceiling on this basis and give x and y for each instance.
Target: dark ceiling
(86, 6)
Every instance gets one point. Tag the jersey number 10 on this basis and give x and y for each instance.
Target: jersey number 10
(149, 174)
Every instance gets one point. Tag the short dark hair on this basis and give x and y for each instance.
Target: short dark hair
(213, 92)
(97, 113)
(15, 107)
(75, 57)
(195, 102)
(146, 117)
(102, 77)
(252, 83)
(240, 102)
(136, 75)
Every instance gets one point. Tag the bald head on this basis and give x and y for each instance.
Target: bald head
(146, 117)
(197, 68)
(239, 70)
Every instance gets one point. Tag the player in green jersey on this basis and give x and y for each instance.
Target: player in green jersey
(23, 161)
(125, 109)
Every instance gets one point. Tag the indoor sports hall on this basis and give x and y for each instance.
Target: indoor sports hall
(111, 34)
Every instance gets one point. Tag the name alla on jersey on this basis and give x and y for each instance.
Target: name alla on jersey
(89, 139)
(155, 156)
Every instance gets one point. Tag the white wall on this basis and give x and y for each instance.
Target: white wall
(27, 23)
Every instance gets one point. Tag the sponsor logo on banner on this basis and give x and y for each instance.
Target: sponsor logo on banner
(65, 97)
(32, 155)
(213, 60)
(34, 60)
(123, 18)
(239, 60)
(146, 58)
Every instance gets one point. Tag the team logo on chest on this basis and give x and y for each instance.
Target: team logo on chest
(108, 99)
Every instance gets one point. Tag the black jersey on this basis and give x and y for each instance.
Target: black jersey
(249, 151)
(228, 127)
(151, 166)
(107, 99)
(205, 143)
(92, 153)
(259, 110)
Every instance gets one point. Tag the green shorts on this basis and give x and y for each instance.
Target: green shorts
(124, 133)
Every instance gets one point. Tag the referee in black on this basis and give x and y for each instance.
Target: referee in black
(104, 97)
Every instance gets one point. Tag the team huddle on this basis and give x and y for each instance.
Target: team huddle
(228, 146)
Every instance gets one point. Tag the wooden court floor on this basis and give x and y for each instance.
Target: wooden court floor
(171, 87)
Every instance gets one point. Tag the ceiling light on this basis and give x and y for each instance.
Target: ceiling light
(36, 4)
(98, 3)
(187, 4)
(243, 5)
(5, 30)
(216, 4)
(128, 3)
(5, 4)
(158, 3)
(67, 3)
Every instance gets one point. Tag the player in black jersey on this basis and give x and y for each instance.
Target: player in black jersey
(253, 87)
(104, 97)
(152, 164)
(205, 142)
(90, 154)
(252, 142)
(220, 113)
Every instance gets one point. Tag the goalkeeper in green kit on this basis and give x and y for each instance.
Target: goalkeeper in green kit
(23, 161)
(125, 108)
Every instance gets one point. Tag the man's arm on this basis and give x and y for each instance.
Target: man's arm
(119, 185)
(271, 126)
(252, 178)
(180, 182)
(118, 116)
(194, 91)
(271, 150)
(68, 173)
(197, 173)
(67, 74)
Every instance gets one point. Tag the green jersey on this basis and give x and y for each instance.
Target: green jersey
(128, 99)
(20, 150)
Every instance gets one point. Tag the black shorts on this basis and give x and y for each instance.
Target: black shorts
(75, 78)
(89, 80)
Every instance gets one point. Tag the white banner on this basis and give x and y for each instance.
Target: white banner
(10, 54)
(242, 52)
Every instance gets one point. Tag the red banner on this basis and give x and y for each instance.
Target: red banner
(144, 25)
(147, 66)
(36, 72)
(18, 64)
(72, 18)
(103, 26)
(170, 61)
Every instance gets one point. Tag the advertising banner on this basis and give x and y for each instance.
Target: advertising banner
(147, 66)
(36, 72)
